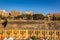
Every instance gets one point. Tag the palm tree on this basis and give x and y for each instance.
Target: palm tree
(58, 34)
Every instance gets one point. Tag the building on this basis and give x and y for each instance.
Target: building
(3, 13)
(29, 15)
(15, 13)
(55, 16)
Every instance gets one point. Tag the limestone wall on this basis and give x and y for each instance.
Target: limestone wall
(32, 24)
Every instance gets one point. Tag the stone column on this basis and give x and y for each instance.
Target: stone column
(48, 17)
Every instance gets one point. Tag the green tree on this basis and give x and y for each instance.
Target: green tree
(19, 16)
(9, 17)
(38, 16)
(29, 17)
(2, 17)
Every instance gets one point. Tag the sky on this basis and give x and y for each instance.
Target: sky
(37, 6)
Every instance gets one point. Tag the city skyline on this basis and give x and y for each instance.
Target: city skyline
(38, 6)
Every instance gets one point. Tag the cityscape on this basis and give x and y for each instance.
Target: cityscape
(29, 26)
(29, 19)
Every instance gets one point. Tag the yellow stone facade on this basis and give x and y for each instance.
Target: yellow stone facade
(25, 33)
(15, 13)
(3, 13)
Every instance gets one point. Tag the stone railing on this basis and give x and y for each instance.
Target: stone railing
(25, 33)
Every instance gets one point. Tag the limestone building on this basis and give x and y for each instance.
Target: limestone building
(3, 13)
(15, 13)
(55, 16)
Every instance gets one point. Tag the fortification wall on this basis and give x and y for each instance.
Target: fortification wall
(32, 24)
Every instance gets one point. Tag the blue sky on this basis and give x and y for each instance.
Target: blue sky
(38, 6)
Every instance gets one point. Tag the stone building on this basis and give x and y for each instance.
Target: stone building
(28, 15)
(15, 13)
(55, 16)
(3, 13)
